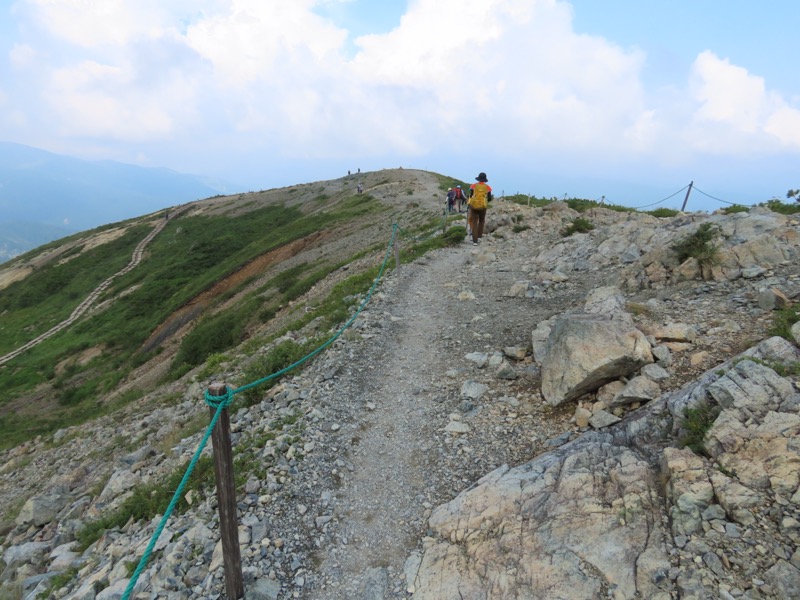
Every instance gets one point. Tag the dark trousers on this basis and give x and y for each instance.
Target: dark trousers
(477, 219)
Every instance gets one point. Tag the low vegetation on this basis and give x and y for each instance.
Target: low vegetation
(697, 421)
(782, 207)
(663, 212)
(782, 321)
(148, 500)
(736, 208)
(187, 258)
(578, 225)
(699, 245)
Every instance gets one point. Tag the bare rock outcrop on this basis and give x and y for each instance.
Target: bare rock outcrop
(626, 513)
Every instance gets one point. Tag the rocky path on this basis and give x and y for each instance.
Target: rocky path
(405, 431)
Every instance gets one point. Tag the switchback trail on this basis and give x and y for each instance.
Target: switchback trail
(87, 303)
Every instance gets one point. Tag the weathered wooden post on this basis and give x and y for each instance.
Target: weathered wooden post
(226, 497)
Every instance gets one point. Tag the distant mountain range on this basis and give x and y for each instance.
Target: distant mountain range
(45, 196)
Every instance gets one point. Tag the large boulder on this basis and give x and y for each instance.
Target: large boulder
(41, 510)
(584, 352)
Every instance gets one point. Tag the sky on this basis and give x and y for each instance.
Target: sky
(621, 99)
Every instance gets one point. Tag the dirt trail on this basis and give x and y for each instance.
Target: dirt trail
(389, 450)
(393, 398)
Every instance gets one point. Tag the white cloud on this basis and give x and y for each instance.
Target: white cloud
(89, 24)
(257, 40)
(94, 99)
(727, 93)
(453, 77)
(735, 112)
(784, 124)
(22, 56)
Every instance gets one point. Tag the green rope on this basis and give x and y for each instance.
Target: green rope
(222, 402)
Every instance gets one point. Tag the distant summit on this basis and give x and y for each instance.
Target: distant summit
(54, 195)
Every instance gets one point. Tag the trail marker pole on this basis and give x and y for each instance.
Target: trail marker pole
(685, 200)
(396, 256)
(226, 498)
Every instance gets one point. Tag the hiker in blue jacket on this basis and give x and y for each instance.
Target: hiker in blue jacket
(449, 202)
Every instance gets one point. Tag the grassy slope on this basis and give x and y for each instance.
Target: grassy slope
(63, 380)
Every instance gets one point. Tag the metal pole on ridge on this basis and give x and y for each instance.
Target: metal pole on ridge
(686, 199)
(226, 497)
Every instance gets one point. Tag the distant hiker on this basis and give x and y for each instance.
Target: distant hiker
(359, 169)
(360, 187)
(451, 195)
(460, 199)
(348, 172)
(480, 194)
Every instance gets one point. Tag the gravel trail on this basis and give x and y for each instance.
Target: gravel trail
(388, 459)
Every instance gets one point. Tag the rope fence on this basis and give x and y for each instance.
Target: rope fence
(662, 200)
(220, 402)
(690, 187)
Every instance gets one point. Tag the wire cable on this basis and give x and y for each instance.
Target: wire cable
(720, 199)
(662, 200)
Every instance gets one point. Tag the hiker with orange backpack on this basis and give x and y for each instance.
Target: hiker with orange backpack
(480, 194)
(459, 197)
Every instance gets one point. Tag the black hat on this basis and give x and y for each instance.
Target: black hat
(481, 177)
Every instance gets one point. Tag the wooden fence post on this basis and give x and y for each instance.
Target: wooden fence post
(226, 497)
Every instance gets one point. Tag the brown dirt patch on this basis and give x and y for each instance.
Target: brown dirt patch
(199, 303)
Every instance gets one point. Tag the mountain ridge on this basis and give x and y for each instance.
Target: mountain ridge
(355, 470)
(56, 191)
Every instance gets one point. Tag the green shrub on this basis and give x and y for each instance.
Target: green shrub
(782, 208)
(736, 208)
(782, 321)
(455, 235)
(212, 334)
(278, 358)
(697, 422)
(300, 287)
(526, 200)
(699, 245)
(582, 205)
(213, 365)
(288, 277)
(520, 227)
(578, 225)
(662, 212)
